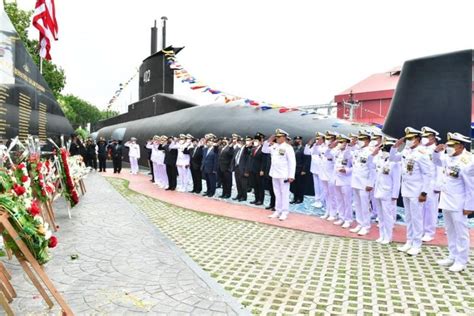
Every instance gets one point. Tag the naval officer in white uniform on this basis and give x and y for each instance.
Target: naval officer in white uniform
(133, 154)
(282, 171)
(416, 180)
(457, 197)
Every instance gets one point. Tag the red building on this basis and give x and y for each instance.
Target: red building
(372, 96)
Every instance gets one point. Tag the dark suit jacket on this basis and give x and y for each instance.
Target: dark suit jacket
(244, 163)
(267, 163)
(257, 161)
(171, 155)
(303, 162)
(116, 150)
(210, 160)
(196, 157)
(225, 158)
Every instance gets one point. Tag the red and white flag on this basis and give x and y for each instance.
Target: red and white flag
(44, 19)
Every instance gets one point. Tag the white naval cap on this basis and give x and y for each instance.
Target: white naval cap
(389, 140)
(279, 132)
(456, 138)
(330, 134)
(343, 138)
(363, 134)
(411, 132)
(133, 139)
(427, 131)
(376, 134)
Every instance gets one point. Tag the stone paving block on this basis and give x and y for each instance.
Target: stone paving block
(125, 265)
(276, 271)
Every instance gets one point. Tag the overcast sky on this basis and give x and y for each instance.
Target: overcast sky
(287, 52)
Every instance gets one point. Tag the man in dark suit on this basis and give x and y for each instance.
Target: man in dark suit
(209, 165)
(171, 155)
(268, 181)
(195, 152)
(303, 163)
(102, 151)
(116, 150)
(241, 167)
(226, 153)
(257, 169)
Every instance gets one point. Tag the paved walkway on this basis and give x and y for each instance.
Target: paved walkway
(278, 271)
(141, 183)
(125, 265)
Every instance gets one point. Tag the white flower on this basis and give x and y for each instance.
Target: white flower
(39, 219)
(48, 234)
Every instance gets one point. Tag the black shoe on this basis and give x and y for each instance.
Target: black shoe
(269, 207)
(259, 203)
(152, 180)
(227, 196)
(222, 196)
(210, 195)
(236, 198)
(192, 191)
(204, 194)
(299, 202)
(242, 200)
(253, 202)
(293, 202)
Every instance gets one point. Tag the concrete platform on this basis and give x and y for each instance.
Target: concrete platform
(124, 265)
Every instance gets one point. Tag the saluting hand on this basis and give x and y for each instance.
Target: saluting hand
(399, 142)
(271, 139)
(440, 148)
(376, 150)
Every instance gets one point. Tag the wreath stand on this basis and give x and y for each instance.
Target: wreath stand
(48, 214)
(31, 267)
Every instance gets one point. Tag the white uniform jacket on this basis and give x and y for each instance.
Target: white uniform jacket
(283, 160)
(457, 189)
(342, 160)
(388, 178)
(363, 174)
(183, 159)
(157, 156)
(134, 149)
(327, 163)
(315, 159)
(416, 170)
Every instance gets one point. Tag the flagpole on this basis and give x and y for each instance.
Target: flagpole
(41, 65)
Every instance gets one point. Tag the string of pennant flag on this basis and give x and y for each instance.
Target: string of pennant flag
(122, 87)
(185, 77)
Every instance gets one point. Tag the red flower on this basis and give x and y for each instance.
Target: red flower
(38, 167)
(24, 179)
(40, 176)
(34, 208)
(21, 166)
(19, 190)
(53, 242)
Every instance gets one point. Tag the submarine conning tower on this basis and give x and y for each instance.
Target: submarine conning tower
(155, 87)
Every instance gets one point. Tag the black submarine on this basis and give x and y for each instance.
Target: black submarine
(27, 104)
(434, 91)
(160, 112)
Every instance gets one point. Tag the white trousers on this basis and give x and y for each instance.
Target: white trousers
(387, 214)
(362, 208)
(133, 164)
(458, 236)
(344, 202)
(282, 196)
(159, 173)
(183, 179)
(330, 198)
(414, 221)
(430, 214)
(325, 193)
(375, 208)
(318, 189)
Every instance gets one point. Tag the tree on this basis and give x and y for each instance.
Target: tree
(21, 20)
(78, 111)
